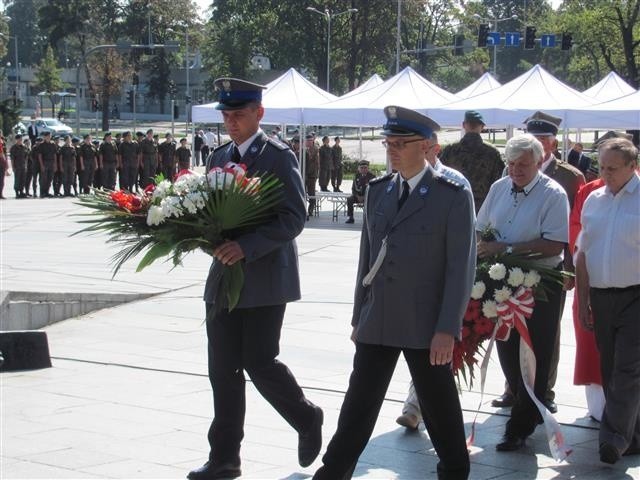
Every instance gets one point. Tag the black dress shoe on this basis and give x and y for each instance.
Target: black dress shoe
(310, 442)
(510, 443)
(212, 471)
(551, 406)
(349, 220)
(504, 400)
(608, 453)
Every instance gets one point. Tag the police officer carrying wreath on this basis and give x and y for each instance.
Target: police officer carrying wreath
(412, 288)
(247, 338)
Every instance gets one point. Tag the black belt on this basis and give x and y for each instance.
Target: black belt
(616, 289)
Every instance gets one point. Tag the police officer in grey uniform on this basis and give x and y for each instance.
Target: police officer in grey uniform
(247, 337)
(412, 287)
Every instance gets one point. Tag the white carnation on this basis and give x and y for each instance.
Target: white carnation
(161, 190)
(478, 290)
(171, 207)
(531, 278)
(189, 204)
(502, 294)
(490, 309)
(516, 277)
(155, 215)
(219, 180)
(188, 182)
(497, 271)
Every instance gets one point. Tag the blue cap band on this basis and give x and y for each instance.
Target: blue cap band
(408, 126)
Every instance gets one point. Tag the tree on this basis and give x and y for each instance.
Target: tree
(24, 25)
(48, 77)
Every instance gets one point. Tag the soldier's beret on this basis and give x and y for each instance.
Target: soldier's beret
(149, 131)
(106, 134)
(127, 133)
(183, 140)
(404, 122)
(75, 140)
(363, 163)
(96, 142)
(167, 135)
(139, 134)
(472, 116)
(234, 94)
(84, 137)
(46, 134)
(542, 124)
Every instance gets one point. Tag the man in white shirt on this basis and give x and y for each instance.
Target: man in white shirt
(608, 286)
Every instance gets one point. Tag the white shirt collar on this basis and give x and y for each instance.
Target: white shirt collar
(628, 187)
(244, 146)
(547, 162)
(529, 186)
(415, 180)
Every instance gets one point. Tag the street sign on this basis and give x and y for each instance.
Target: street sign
(512, 39)
(493, 38)
(547, 41)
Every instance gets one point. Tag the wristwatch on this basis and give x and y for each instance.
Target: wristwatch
(509, 249)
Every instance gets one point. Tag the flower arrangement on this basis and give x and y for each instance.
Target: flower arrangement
(505, 286)
(195, 211)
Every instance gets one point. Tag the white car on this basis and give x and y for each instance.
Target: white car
(53, 125)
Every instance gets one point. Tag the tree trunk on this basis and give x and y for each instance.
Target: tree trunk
(105, 111)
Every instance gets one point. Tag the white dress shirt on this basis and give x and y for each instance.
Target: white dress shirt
(244, 146)
(413, 181)
(610, 236)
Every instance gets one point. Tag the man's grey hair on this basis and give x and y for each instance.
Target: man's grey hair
(517, 146)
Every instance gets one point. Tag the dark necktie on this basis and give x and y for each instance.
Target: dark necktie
(235, 158)
(405, 194)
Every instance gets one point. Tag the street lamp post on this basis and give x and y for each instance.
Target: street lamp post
(495, 28)
(17, 66)
(328, 16)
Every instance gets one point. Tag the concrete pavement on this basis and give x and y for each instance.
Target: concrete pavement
(128, 395)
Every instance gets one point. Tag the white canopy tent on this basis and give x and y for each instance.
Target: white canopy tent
(623, 112)
(284, 100)
(609, 88)
(514, 101)
(373, 81)
(365, 109)
(485, 83)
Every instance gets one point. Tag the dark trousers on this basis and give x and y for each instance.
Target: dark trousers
(616, 317)
(542, 327)
(373, 367)
(336, 176)
(149, 166)
(310, 187)
(35, 177)
(128, 176)
(87, 178)
(57, 182)
(353, 199)
(3, 171)
(20, 175)
(169, 171)
(324, 177)
(46, 178)
(68, 175)
(28, 177)
(109, 176)
(248, 339)
(555, 358)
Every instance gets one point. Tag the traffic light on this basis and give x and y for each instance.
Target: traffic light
(530, 38)
(483, 31)
(130, 99)
(187, 99)
(458, 43)
(567, 41)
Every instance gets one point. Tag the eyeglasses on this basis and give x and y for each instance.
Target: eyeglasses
(400, 144)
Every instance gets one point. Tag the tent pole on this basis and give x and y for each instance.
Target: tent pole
(360, 138)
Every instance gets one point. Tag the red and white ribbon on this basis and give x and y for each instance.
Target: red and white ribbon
(513, 313)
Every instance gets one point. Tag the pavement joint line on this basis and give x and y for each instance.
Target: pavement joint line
(319, 249)
(315, 389)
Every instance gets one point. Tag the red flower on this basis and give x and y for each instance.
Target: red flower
(148, 190)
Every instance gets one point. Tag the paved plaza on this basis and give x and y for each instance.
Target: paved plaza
(128, 395)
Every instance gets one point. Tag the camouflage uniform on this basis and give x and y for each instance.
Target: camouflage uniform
(311, 175)
(480, 162)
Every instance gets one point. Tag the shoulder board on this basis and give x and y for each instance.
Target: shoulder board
(381, 179)
(449, 182)
(567, 166)
(277, 143)
(219, 147)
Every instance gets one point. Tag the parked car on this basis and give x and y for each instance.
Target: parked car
(53, 125)
(19, 129)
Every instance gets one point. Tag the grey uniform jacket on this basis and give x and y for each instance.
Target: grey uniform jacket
(271, 255)
(424, 283)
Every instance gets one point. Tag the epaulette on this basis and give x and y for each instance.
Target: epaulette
(449, 182)
(221, 146)
(381, 179)
(278, 144)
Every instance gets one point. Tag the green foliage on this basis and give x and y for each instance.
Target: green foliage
(9, 116)
(48, 76)
(24, 25)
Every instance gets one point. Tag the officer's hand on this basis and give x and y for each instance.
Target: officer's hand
(489, 249)
(353, 335)
(228, 253)
(441, 350)
(585, 317)
(569, 283)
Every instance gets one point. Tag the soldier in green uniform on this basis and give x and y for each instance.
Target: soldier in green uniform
(128, 153)
(97, 174)
(324, 155)
(77, 181)
(183, 155)
(149, 159)
(312, 168)
(47, 158)
(88, 163)
(35, 163)
(167, 153)
(138, 181)
(478, 161)
(108, 161)
(57, 175)
(336, 160)
(19, 154)
(68, 163)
